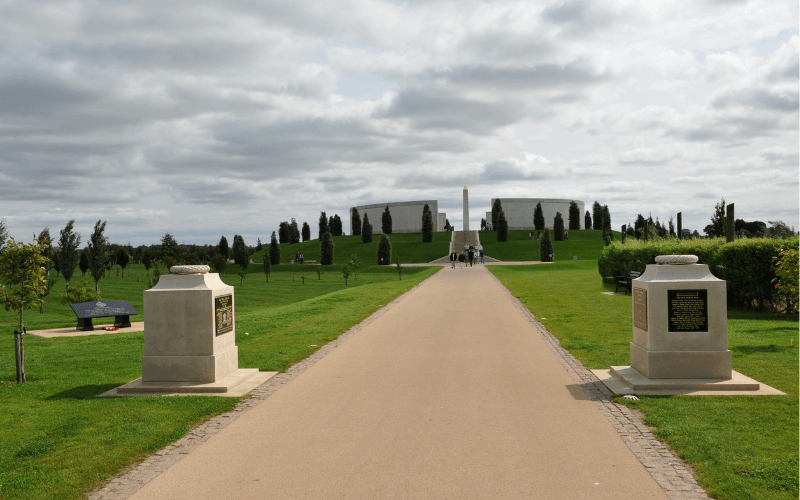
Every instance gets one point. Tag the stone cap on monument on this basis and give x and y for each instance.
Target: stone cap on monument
(677, 268)
(189, 278)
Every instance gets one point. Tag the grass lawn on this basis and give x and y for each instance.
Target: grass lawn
(57, 440)
(584, 244)
(743, 447)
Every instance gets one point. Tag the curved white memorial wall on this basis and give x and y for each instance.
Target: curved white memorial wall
(406, 216)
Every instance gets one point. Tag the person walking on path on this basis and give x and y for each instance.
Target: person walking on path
(453, 259)
(461, 259)
(471, 256)
(480, 252)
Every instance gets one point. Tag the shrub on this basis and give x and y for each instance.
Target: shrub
(502, 227)
(366, 230)
(558, 227)
(786, 269)
(81, 292)
(384, 251)
(326, 249)
(546, 247)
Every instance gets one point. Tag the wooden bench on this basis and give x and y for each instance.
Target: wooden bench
(86, 311)
(626, 281)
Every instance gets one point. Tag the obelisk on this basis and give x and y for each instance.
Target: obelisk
(466, 209)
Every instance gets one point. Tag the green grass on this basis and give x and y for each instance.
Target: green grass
(743, 447)
(57, 440)
(585, 244)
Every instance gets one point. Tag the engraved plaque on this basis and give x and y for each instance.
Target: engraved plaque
(640, 308)
(223, 314)
(687, 310)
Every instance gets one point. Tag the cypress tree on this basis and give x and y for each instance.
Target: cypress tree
(538, 218)
(306, 232)
(497, 207)
(427, 225)
(274, 250)
(366, 230)
(323, 224)
(608, 236)
(326, 249)
(355, 223)
(384, 250)
(558, 227)
(587, 220)
(224, 250)
(546, 247)
(502, 227)
(597, 216)
(336, 230)
(574, 216)
(386, 221)
(259, 246)
(283, 232)
(294, 232)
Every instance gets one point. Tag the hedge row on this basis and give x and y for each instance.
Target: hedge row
(747, 265)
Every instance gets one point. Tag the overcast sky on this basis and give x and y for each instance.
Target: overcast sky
(204, 119)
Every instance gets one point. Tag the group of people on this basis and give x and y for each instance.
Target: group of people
(299, 259)
(468, 256)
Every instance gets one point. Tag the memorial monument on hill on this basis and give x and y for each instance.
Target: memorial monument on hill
(466, 209)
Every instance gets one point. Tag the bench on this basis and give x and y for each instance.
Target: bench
(626, 281)
(86, 311)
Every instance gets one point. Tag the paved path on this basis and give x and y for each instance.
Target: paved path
(439, 397)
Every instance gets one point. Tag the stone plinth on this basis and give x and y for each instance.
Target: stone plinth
(189, 332)
(680, 322)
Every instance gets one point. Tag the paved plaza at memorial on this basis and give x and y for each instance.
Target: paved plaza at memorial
(453, 390)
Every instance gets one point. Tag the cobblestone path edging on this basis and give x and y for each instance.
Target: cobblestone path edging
(670, 472)
(136, 476)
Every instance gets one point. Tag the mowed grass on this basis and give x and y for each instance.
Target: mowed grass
(57, 440)
(743, 447)
(584, 244)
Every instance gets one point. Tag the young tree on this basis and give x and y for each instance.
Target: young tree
(219, 263)
(68, 245)
(597, 216)
(587, 220)
(366, 230)
(355, 223)
(427, 224)
(238, 246)
(354, 263)
(719, 221)
(384, 251)
(274, 250)
(538, 218)
(323, 224)
(3, 234)
(608, 236)
(169, 248)
(558, 227)
(574, 216)
(326, 249)
(123, 259)
(22, 285)
(224, 249)
(45, 240)
(306, 232)
(336, 229)
(345, 273)
(241, 257)
(147, 260)
(98, 252)
(399, 268)
(546, 247)
(267, 266)
(294, 232)
(497, 207)
(386, 221)
(502, 227)
(283, 232)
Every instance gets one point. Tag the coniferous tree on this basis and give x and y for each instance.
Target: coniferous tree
(546, 247)
(574, 216)
(355, 223)
(597, 216)
(558, 227)
(502, 227)
(587, 220)
(306, 232)
(538, 218)
(68, 245)
(46, 242)
(224, 250)
(497, 207)
(239, 247)
(384, 250)
(427, 224)
(386, 221)
(366, 230)
(323, 224)
(608, 236)
(330, 225)
(274, 250)
(326, 249)
(294, 232)
(639, 227)
(259, 246)
(336, 230)
(283, 232)
(671, 227)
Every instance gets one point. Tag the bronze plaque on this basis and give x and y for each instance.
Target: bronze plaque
(688, 310)
(223, 314)
(640, 308)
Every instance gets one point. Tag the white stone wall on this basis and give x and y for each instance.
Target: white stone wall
(406, 216)
(519, 212)
(441, 218)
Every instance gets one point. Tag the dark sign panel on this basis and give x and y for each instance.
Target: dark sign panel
(102, 308)
(223, 314)
(688, 310)
(640, 308)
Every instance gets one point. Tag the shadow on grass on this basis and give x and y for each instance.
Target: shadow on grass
(83, 391)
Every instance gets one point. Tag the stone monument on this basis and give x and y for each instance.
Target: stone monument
(680, 334)
(466, 209)
(189, 337)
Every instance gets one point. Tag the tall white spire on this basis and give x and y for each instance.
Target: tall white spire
(465, 225)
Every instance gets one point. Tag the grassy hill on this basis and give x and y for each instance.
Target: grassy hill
(585, 244)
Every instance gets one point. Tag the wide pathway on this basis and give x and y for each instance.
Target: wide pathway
(449, 394)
